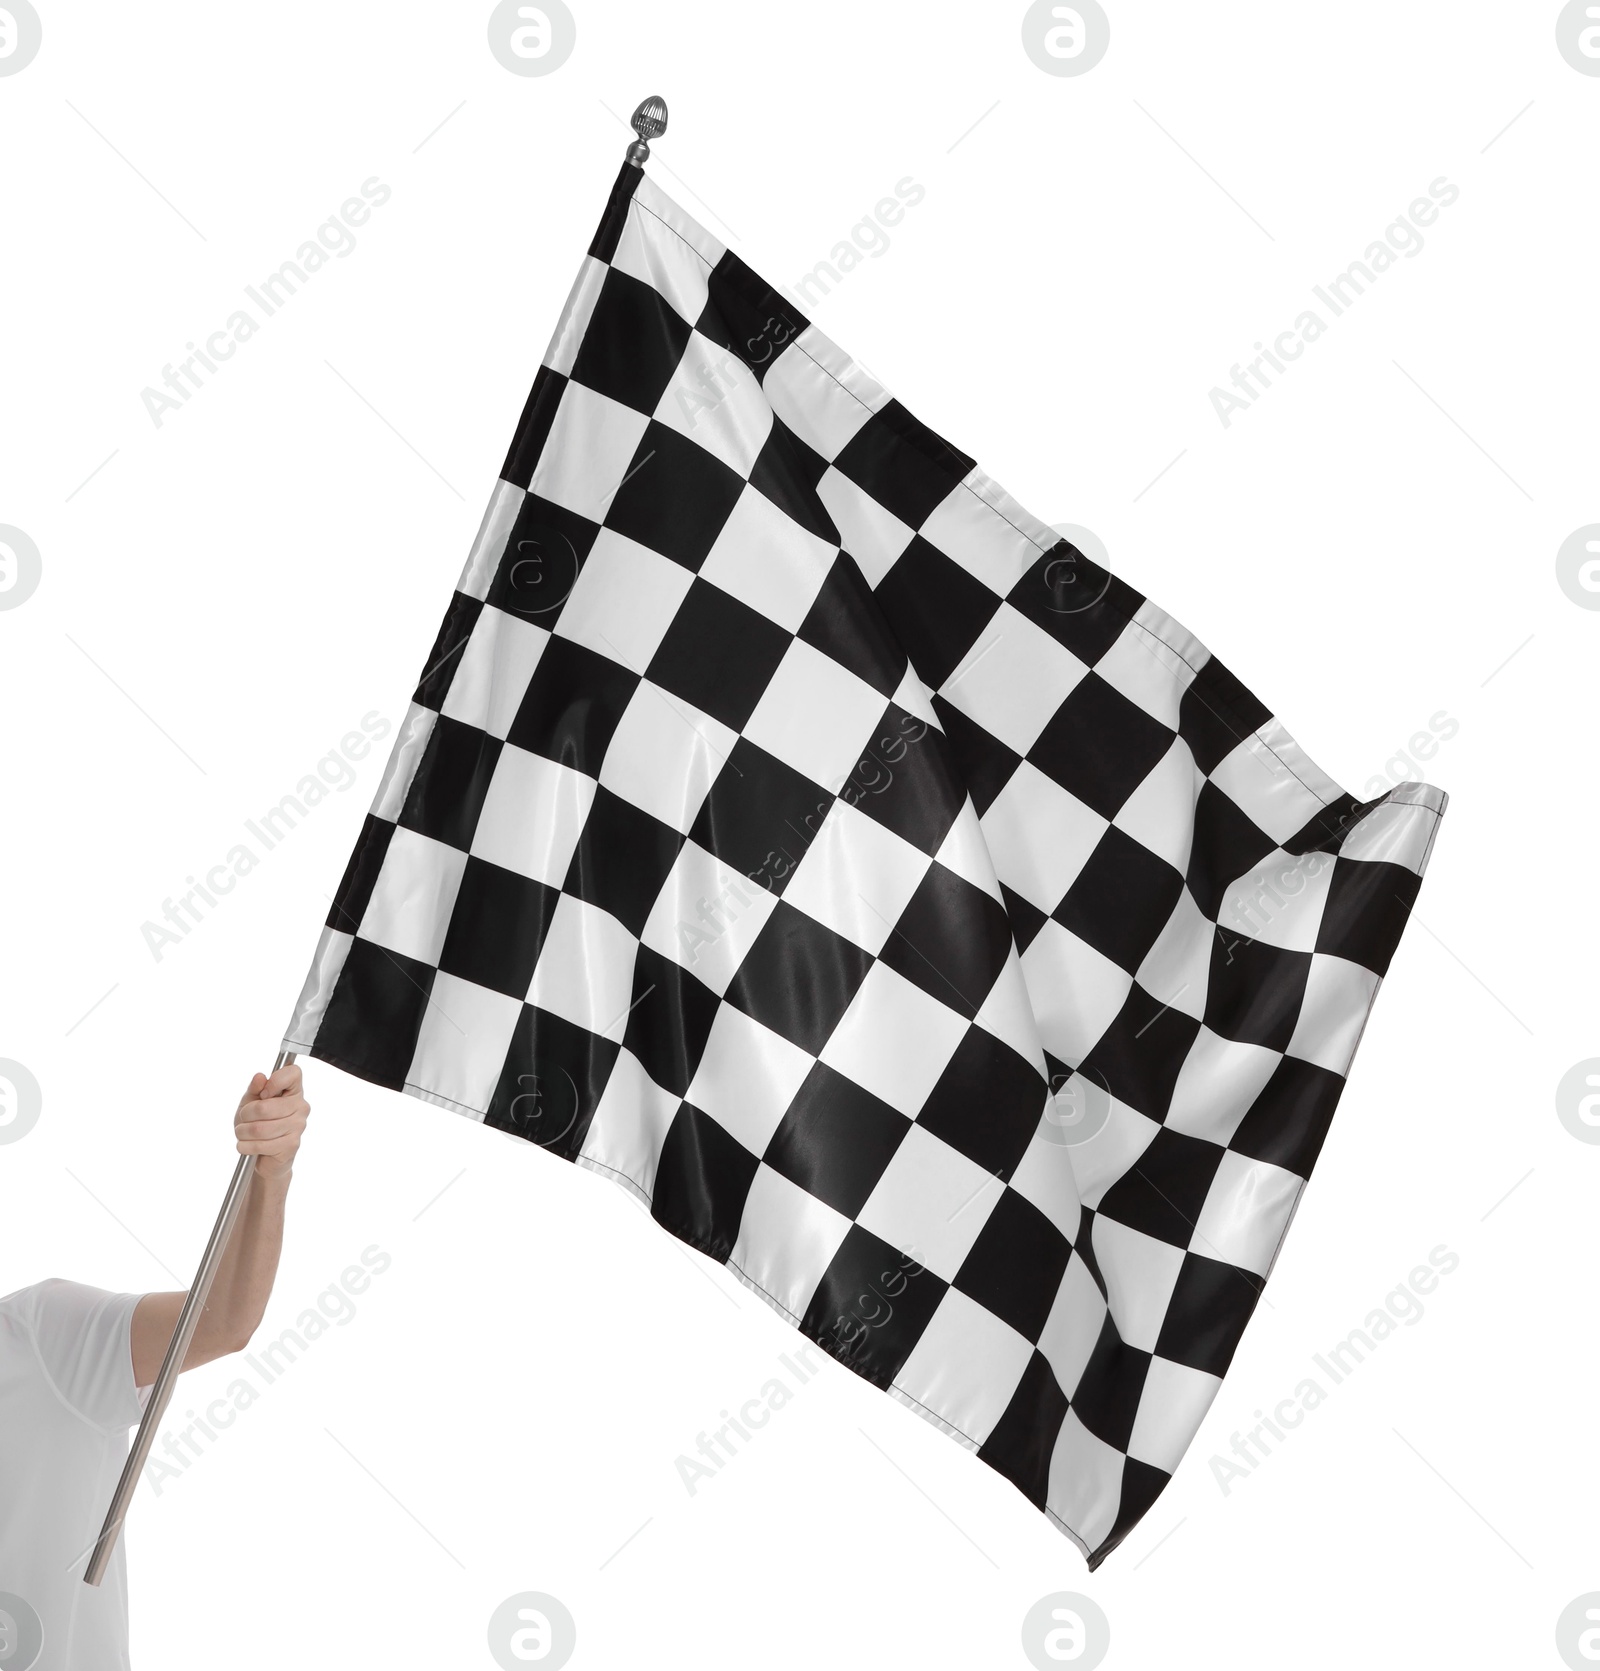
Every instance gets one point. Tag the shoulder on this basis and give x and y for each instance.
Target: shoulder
(24, 1306)
(53, 1298)
(80, 1337)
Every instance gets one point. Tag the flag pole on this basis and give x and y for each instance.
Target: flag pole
(649, 122)
(177, 1350)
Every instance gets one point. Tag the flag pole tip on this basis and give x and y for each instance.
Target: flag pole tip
(649, 122)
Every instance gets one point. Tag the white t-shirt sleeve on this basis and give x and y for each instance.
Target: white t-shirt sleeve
(83, 1339)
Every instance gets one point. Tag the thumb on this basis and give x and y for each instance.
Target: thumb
(257, 1083)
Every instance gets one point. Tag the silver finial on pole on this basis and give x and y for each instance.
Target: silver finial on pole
(649, 122)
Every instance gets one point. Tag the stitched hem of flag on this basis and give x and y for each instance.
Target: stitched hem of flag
(633, 189)
(633, 1187)
(439, 769)
(897, 1393)
(1408, 797)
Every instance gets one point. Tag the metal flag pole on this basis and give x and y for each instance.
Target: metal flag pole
(649, 122)
(172, 1363)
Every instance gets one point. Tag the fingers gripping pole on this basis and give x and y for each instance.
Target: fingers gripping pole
(177, 1350)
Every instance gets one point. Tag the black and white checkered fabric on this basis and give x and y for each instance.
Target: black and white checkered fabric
(791, 827)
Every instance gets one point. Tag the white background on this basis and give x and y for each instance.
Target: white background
(224, 596)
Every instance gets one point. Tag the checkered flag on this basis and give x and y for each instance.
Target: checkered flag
(920, 922)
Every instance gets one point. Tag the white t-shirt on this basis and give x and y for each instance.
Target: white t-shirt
(67, 1401)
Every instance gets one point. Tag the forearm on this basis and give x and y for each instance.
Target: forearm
(271, 1117)
(238, 1299)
